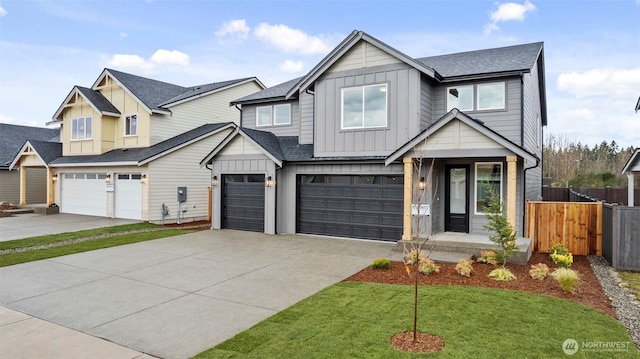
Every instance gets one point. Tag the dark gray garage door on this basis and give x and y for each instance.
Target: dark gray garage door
(351, 206)
(243, 202)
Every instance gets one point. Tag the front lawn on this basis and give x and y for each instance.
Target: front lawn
(633, 280)
(357, 320)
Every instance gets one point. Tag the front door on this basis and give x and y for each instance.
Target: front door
(457, 199)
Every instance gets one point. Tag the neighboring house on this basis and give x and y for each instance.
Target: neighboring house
(12, 138)
(129, 142)
(631, 169)
(337, 151)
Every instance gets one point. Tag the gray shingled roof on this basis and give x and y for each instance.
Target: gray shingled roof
(152, 93)
(13, 137)
(96, 98)
(200, 89)
(48, 151)
(277, 91)
(489, 61)
(142, 153)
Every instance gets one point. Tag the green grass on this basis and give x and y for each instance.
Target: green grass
(118, 240)
(633, 280)
(357, 320)
(53, 238)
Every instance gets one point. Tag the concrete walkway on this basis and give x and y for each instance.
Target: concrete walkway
(175, 297)
(31, 225)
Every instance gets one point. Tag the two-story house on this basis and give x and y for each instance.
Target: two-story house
(371, 139)
(130, 144)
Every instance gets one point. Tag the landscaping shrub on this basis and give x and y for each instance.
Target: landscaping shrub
(427, 266)
(464, 267)
(489, 257)
(381, 263)
(539, 271)
(415, 256)
(559, 248)
(502, 274)
(562, 260)
(566, 277)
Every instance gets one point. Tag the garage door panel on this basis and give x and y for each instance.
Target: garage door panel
(84, 193)
(128, 196)
(351, 206)
(243, 202)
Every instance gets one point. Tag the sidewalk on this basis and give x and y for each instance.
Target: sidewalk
(24, 336)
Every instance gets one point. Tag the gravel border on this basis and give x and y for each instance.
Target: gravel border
(626, 305)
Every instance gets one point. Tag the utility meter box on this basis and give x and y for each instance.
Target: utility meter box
(182, 194)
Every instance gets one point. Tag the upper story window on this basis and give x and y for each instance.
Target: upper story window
(131, 125)
(364, 107)
(480, 97)
(488, 175)
(81, 128)
(273, 115)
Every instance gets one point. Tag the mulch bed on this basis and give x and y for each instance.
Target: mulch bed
(587, 290)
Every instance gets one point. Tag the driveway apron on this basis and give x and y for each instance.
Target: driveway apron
(175, 297)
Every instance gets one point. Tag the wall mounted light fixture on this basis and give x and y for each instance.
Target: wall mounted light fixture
(422, 184)
(54, 177)
(269, 182)
(214, 181)
(108, 178)
(143, 179)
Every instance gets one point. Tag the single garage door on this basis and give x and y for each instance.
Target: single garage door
(367, 207)
(84, 193)
(243, 202)
(128, 196)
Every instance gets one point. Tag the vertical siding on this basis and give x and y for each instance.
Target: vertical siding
(81, 147)
(505, 122)
(293, 129)
(361, 55)
(306, 118)
(181, 168)
(403, 109)
(287, 186)
(10, 186)
(213, 108)
(113, 128)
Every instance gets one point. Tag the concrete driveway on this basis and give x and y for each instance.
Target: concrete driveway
(175, 297)
(31, 225)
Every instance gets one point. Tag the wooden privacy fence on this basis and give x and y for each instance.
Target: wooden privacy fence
(576, 224)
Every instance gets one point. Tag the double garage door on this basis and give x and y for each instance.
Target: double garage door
(86, 194)
(368, 207)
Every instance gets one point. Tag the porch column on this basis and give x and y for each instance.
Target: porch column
(630, 186)
(51, 187)
(512, 162)
(408, 199)
(23, 185)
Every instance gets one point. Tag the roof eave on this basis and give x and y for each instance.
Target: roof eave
(96, 164)
(251, 79)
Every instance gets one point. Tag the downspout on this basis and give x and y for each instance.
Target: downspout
(524, 188)
(522, 109)
(239, 109)
(313, 126)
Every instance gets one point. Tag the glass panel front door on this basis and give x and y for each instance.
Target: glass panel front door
(457, 199)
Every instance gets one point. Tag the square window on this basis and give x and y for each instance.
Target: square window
(263, 116)
(282, 114)
(81, 128)
(364, 107)
(460, 97)
(491, 96)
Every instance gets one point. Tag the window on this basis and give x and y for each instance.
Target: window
(488, 174)
(273, 115)
(491, 96)
(131, 125)
(364, 107)
(81, 128)
(488, 96)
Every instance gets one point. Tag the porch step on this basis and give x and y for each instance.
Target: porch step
(447, 257)
(17, 211)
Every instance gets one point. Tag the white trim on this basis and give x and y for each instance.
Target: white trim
(475, 184)
(272, 112)
(95, 164)
(84, 118)
(504, 96)
(124, 131)
(458, 87)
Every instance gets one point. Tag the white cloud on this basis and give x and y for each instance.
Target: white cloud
(124, 35)
(136, 63)
(3, 12)
(237, 28)
(291, 40)
(508, 11)
(291, 66)
(601, 82)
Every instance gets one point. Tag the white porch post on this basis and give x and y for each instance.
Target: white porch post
(511, 189)
(408, 199)
(630, 185)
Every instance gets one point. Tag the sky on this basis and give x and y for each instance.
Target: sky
(591, 48)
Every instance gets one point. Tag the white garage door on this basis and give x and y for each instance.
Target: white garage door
(128, 196)
(84, 193)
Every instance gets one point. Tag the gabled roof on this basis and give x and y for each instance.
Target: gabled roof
(46, 151)
(456, 114)
(343, 48)
(500, 60)
(141, 155)
(13, 137)
(203, 90)
(632, 162)
(269, 94)
(94, 98)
